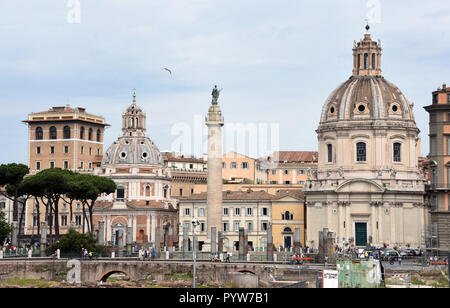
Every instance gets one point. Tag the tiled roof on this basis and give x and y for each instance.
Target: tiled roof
(295, 156)
(297, 194)
(234, 195)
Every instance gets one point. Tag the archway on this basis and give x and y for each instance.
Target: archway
(115, 272)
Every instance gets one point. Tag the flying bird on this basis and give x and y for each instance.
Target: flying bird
(166, 69)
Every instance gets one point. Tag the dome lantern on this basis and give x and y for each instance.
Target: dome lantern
(367, 56)
(133, 120)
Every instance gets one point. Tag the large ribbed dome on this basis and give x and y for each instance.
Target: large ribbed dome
(367, 97)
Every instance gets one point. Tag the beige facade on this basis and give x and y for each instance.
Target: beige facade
(368, 187)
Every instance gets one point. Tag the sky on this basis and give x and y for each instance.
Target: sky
(277, 61)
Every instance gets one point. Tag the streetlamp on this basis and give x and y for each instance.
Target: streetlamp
(195, 223)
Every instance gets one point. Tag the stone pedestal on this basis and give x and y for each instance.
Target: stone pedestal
(101, 233)
(269, 243)
(327, 244)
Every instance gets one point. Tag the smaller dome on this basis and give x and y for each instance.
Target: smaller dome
(133, 150)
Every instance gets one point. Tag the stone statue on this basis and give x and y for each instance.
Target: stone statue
(341, 172)
(215, 94)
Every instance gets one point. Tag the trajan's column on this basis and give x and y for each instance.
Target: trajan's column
(214, 121)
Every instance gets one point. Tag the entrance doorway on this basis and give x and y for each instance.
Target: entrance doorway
(287, 241)
(361, 234)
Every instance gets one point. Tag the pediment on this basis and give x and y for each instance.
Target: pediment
(360, 186)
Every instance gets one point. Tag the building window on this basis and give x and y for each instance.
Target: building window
(264, 211)
(53, 132)
(330, 153)
(249, 211)
(202, 227)
(434, 203)
(244, 165)
(2, 205)
(366, 61)
(361, 152)
(201, 212)
(90, 151)
(287, 182)
(90, 165)
(187, 226)
(181, 191)
(224, 165)
(301, 171)
(78, 220)
(225, 211)
(66, 149)
(90, 134)
(225, 227)
(120, 193)
(82, 149)
(286, 172)
(66, 132)
(52, 150)
(250, 227)
(99, 135)
(237, 212)
(187, 212)
(81, 165)
(38, 165)
(52, 164)
(373, 61)
(38, 150)
(301, 182)
(39, 133)
(274, 172)
(233, 165)
(237, 225)
(66, 164)
(264, 226)
(82, 132)
(397, 152)
(64, 220)
(448, 145)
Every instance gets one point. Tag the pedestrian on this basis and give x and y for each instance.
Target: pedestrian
(153, 254)
(90, 255)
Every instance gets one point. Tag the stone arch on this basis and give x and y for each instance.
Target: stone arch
(105, 275)
(246, 271)
(350, 185)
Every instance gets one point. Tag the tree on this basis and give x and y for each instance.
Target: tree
(5, 228)
(72, 242)
(11, 177)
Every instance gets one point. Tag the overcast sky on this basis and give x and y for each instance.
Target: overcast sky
(277, 61)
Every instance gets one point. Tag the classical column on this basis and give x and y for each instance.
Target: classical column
(153, 234)
(214, 122)
(269, 243)
(213, 240)
(101, 233)
(241, 244)
(220, 242)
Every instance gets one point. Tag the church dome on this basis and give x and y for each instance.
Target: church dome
(133, 147)
(133, 150)
(367, 95)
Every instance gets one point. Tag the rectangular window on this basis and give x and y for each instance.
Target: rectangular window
(52, 150)
(225, 211)
(237, 212)
(434, 204)
(433, 145)
(66, 149)
(78, 220)
(66, 165)
(225, 227)
(64, 220)
(233, 165)
(250, 227)
(448, 145)
(191, 166)
(249, 211)
(237, 225)
(301, 182)
(82, 149)
(52, 164)
(202, 227)
(82, 165)
(301, 171)
(35, 221)
(330, 153)
(181, 191)
(274, 172)
(201, 212)
(187, 212)
(264, 226)
(287, 182)
(38, 165)
(90, 151)
(244, 165)
(38, 150)
(397, 152)
(2, 205)
(361, 152)
(265, 211)
(286, 172)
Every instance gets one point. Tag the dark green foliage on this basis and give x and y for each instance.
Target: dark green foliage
(73, 241)
(5, 228)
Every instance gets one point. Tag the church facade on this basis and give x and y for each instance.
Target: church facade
(142, 210)
(367, 188)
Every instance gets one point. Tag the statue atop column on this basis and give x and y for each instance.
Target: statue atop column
(215, 94)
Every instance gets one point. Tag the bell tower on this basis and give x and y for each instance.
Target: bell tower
(133, 120)
(367, 56)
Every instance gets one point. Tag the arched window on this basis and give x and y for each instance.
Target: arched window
(330, 153)
(166, 188)
(147, 191)
(90, 134)
(359, 62)
(366, 61)
(287, 230)
(137, 122)
(361, 152)
(99, 134)
(66, 132)
(39, 133)
(132, 122)
(373, 61)
(53, 133)
(397, 152)
(287, 216)
(82, 132)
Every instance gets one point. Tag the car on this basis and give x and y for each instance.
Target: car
(391, 255)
